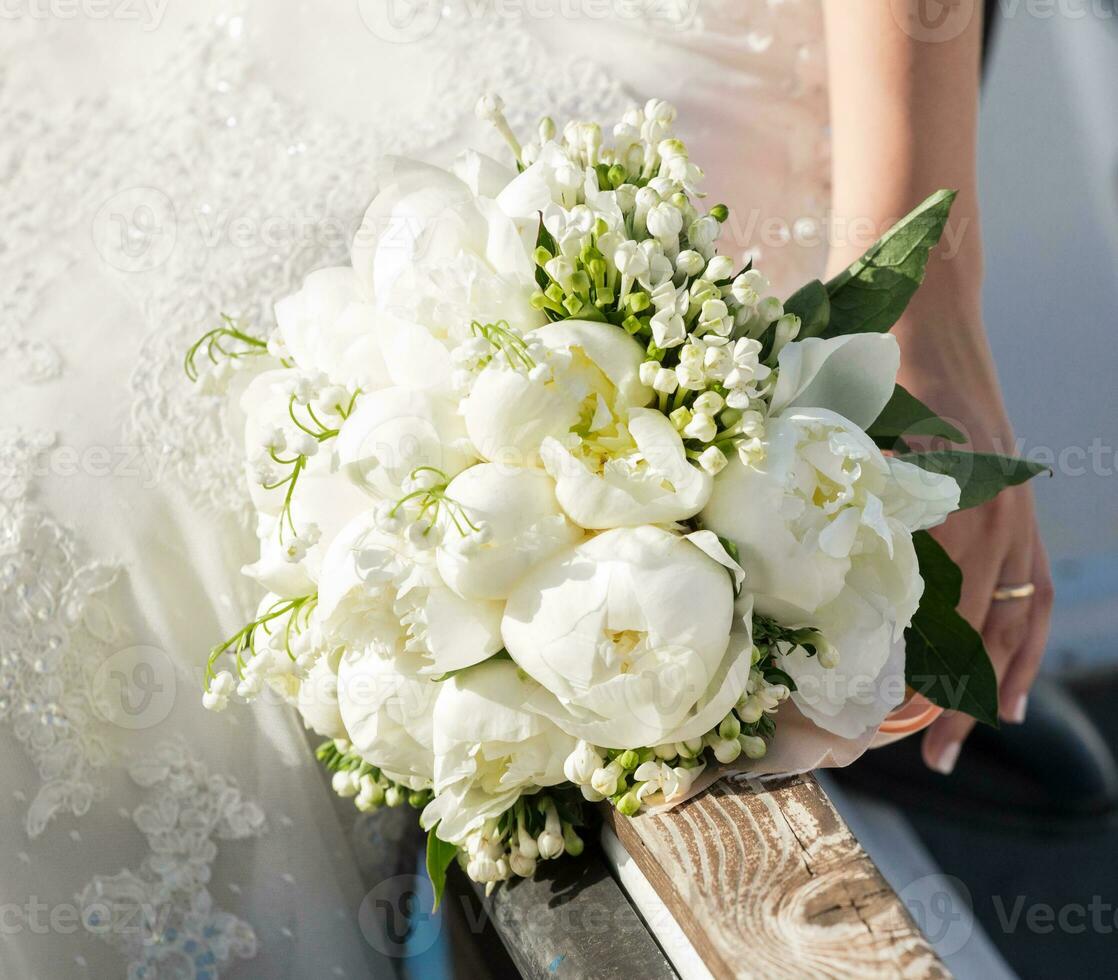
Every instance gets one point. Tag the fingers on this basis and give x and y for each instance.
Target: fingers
(944, 740)
(1007, 627)
(1023, 670)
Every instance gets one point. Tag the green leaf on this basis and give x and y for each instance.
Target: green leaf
(981, 476)
(906, 414)
(813, 306)
(440, 854)
(945, 658)
(871, 295)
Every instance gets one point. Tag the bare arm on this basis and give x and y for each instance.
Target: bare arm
(904, 113)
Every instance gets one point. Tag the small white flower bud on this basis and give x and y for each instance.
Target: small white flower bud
(550, 845)
(719, 268)
(701, 427)
(489, 108)
(753, 746)
(665, 381)
(648, 372)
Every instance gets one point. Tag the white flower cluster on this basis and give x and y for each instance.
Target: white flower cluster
(549, 496)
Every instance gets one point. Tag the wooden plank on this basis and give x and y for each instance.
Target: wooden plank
(768, 881)
(573, 921)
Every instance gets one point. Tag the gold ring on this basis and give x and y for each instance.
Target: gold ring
(1004, 593)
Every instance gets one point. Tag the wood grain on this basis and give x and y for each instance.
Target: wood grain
(768, 881)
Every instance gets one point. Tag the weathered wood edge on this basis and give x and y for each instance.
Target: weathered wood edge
(575, 923)
(768, 881)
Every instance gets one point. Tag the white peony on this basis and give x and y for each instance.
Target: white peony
(525, 525)
(630, 631)
(377, 592)
(822, 496)
(489, 748)
(328, 327)
(394, 431)
(628, 472)
(387, 714)
(593, 374)
(433, 251)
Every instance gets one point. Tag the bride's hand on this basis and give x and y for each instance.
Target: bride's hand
(996, 545)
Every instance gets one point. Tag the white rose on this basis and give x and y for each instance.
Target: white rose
(378, 592)
(509, 414)
(489, 748)
(387, 714)
(630, 631)
(628, 473)
(525, 524)
(392, 432)
(823, 494)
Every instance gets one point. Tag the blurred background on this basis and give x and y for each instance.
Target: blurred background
(1026, 883)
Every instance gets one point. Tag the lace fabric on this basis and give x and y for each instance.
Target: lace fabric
(131, 218)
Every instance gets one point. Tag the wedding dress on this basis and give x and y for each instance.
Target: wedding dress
(164, 164)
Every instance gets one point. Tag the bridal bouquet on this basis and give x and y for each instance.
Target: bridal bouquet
(554, 503)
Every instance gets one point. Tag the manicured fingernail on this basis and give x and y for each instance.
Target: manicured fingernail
(1017, 711)
(948, 756)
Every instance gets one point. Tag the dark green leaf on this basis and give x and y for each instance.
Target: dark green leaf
(813, 306)
(981, 476)
(906, 414)
(545, 239)
(440, 854)
(945, 658)
(774, 675)
(871, 295)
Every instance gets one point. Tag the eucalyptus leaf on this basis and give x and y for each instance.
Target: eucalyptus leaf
(905, 414)
(981, 476)
(945, 658)
(871, 295)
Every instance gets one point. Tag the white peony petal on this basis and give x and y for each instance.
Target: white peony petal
(852, 376)
(318, 698)
(484, 176)
(392, 432)
(709, 544)
(388, 715)
(917, 498)
(411, 196)
(525, 525)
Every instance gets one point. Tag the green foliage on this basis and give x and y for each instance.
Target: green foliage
(440, 855)
(871, 295)
(945, 658)
(981, 476)
(905, 414)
